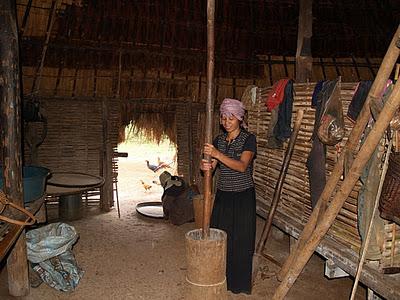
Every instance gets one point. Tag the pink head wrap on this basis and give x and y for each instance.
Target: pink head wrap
(232, 107)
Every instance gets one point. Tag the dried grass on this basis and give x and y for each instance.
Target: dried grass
(153, 121)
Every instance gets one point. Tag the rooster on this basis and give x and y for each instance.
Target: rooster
(146, 186)
(161, 165)
(151, 167)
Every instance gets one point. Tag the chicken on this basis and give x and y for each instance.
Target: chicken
(146, 186)
(151, 167)
(161, 165)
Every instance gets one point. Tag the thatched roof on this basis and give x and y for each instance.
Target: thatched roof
(172, 33)
(143, 49)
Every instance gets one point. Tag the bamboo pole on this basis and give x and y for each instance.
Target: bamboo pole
(25, 18)
(378, 195)
(303, 53)
(118, 97)
(278, 188)
(340, 197)
(10, 123)
(39, 69)
(379, 83)
(209, 114)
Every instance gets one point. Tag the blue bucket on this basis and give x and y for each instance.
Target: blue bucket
(34, 182)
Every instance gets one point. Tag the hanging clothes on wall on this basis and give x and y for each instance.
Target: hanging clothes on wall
(370, 178)
(281, 106)
(272, 142)
(317, 90)
(317, 157)
(358, 100)
(277, 94)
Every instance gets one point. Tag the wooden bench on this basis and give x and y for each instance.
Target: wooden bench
(9, 233)
(341, 256)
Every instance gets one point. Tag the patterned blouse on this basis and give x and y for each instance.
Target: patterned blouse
(230, 180)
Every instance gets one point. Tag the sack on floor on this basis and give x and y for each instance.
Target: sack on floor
(177, 199)
(49, 250)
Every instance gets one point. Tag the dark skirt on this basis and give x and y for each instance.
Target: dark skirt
(235, 213)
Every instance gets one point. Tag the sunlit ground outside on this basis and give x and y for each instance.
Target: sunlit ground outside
(136, 181)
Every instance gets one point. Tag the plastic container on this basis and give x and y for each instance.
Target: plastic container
(34, 182)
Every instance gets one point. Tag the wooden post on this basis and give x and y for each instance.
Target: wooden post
(190, 139)
(352, 142)
(10, 122)
(303, 53)
(39, 69)
(106, 160)
(25, 18)
(209, 113)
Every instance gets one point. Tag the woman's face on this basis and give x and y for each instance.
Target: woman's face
(230, 123)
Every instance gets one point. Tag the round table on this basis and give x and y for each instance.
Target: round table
(69, 186)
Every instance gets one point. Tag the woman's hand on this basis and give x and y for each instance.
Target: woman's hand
(206, 165)
(209, 149)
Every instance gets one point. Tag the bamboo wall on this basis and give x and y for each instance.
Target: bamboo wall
(295, 199)
(74, 140)
(183, 147)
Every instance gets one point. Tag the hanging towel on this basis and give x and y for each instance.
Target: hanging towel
(317, 89)
(282, 129)
(276, 95)
(317, 157)
(358, 100)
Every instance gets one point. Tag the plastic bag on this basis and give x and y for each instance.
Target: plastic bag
(49, 250)
(331, 128)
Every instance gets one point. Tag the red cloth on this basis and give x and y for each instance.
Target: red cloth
(275, 97)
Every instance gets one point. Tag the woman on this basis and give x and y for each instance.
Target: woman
(235, 205)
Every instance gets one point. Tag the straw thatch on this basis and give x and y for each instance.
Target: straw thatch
(154, 122)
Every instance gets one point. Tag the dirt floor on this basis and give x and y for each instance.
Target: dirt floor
(141, 258)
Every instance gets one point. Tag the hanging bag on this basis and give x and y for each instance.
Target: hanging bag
(5, 203)
(331, 127)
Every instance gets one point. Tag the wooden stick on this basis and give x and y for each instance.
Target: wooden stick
(25, 18)
(118, 96)
(278, 188)
(209, 115)
(304, 34)
(377, 87)
(39, 70)
(368, 237)
(340, 197)
(392, 252)
(10, 123)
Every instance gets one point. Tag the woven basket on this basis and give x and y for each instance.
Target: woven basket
(389, 203)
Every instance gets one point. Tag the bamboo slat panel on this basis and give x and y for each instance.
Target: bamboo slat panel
(182, 138)
(74, 136)
(391, 246)
(295, 200)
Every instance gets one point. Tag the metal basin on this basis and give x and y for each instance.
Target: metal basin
(34, 182)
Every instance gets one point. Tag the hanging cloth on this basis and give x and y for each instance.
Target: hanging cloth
(358, 100)
(276, 95)
(283, 129)
(317, 90)
(317, 157)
